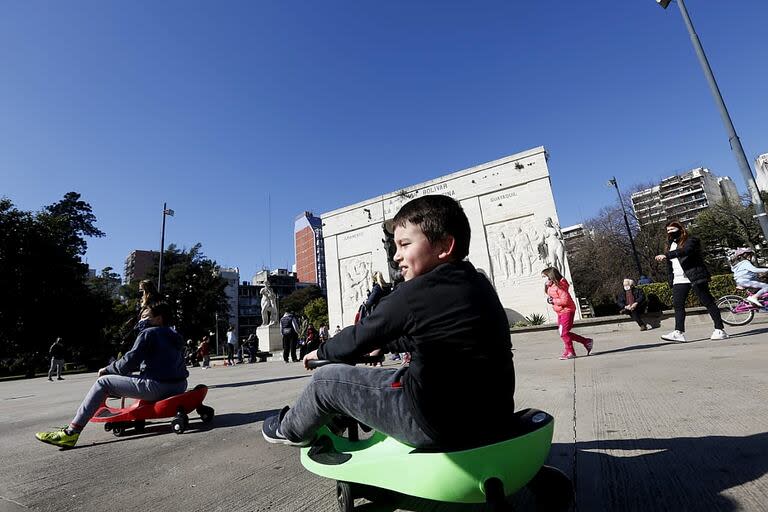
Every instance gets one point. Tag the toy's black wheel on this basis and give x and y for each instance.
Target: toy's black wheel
(552, 488)
(495, 499)
(117, 431)
(139, 425)
(178, 424)
(344, 497)
(107, 426)
(206, 413)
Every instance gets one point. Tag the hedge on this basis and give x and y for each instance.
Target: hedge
(722, 284)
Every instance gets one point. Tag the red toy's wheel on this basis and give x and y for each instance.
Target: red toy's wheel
(117, 431)
(206, 413)
(139, 425)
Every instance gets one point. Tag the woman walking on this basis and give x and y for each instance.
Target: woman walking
(686, 270)
(556, 289)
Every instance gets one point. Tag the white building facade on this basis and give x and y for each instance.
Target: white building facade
(515, 234)
(682, 197)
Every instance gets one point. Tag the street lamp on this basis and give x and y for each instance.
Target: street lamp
(166, 211)
(613, 183)
(738, 150)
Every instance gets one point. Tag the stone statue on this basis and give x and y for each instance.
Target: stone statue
(552, 238)
(268, 305)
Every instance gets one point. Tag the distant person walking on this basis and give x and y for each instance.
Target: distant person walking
(632, 301)
(289, 329)
(57, 359)
(323, 333)
(231, 345)
(686, 270)
(556, 289)
(204, 353)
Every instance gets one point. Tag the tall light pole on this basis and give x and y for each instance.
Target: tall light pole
(612, 182)
(166, 211)
(738, 150)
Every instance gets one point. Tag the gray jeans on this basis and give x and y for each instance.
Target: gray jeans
(123, 386)
(56, 364)
(364, 393)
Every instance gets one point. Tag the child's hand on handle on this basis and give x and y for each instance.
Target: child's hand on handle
(309, 357)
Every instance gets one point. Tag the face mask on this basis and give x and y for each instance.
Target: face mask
(627, 288)
(674, 235)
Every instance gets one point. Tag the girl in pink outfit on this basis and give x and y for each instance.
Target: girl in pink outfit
(556, 288)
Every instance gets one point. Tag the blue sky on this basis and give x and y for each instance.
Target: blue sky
(214, 107)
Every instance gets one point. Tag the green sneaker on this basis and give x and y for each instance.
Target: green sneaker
(58, 438)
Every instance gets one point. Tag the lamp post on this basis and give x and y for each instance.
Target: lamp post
(738, 150)
(612, 182)
(217, 333)
(166, 211)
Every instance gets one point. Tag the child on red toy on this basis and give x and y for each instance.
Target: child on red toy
(556, 288)
(165, 374)
(458, 391)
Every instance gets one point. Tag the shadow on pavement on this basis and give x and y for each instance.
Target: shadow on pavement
(685, 473)
(762, 330)
(634, 347)
(255, 382)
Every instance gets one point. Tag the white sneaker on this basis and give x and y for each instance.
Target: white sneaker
(719, 334)
(674, 336)
(648, 327)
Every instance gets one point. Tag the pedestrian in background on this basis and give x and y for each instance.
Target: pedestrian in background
(289, 329)
(231, 345)
(57, 359)
(632, 302)
(686, 270)
(556, 289)
(204, 352)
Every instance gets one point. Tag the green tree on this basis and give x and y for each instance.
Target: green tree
(194, 288)
(316, 311)
(298, 300)
(43, 279)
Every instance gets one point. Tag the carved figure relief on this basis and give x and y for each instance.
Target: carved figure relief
(552, 240)
(355, 275)
(519, 249)
(268, 305)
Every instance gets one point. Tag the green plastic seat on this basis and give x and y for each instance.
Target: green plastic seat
(458, 476)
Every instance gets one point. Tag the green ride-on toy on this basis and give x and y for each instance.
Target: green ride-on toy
(487, 474)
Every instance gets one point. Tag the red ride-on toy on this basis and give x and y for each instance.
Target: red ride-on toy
(135, 415)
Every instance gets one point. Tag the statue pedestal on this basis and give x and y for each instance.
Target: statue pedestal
(270, 338)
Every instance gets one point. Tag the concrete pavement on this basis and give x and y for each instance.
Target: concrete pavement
(642, 424)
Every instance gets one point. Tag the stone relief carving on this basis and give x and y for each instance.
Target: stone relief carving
(355, 280)
(519, 249)
(268, 305)
(552, 239)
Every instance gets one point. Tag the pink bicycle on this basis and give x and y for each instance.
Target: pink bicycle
(737, 310)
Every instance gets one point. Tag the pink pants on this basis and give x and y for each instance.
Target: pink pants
(565, 321)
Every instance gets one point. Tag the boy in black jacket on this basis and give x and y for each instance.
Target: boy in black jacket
(458, 390)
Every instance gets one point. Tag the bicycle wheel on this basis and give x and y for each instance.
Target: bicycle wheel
(735, 310)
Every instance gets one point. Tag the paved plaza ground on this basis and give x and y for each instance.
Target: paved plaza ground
(640, 425)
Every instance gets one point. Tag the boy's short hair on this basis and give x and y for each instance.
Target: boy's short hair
(438, 217)
(162, 309)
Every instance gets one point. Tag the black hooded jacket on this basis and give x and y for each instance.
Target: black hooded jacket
(692, 261)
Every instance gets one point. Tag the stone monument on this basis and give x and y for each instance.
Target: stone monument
(515, 234)
(269, 330)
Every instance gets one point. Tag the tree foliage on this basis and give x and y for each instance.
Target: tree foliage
(45, 293)
(298, 300)
(193, 287)
(316, 311)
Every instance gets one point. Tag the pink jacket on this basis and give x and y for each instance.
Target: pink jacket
(561, 299)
